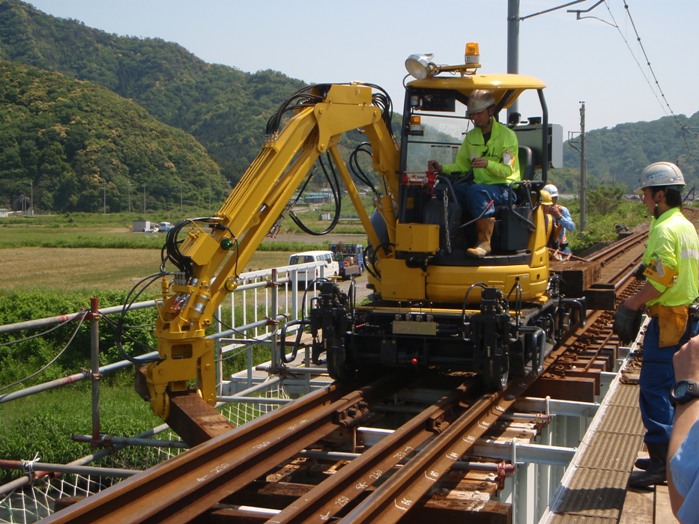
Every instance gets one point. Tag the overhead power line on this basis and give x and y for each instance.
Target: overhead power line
(657, 90)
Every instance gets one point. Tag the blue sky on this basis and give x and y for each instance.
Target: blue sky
(325, 41)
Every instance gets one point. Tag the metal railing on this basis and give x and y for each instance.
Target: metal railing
(252, 318)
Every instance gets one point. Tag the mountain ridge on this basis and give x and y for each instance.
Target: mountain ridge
(226, 109)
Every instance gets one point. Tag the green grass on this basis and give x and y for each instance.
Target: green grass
(114, 231)
(45, 423)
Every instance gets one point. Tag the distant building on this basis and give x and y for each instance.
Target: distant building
(316, 198)
(142, 226)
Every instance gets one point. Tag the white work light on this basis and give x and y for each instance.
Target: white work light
(420, 66)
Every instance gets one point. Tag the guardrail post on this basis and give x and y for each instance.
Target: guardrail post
(277, 359)
(219, 358)
(95, 374)
(294, 283)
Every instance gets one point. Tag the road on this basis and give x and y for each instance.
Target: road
(362, 291)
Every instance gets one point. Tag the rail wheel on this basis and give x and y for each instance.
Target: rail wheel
(337, 365)
(496, 373)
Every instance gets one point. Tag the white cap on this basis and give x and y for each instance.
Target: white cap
(551, 189)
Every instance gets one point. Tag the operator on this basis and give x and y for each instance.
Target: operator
(562, 222)
(489, 151)
(670, 268)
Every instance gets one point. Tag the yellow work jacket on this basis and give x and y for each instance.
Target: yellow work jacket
(671, 259)
(501, 152)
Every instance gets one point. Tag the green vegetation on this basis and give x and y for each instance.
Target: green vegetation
(45, 423)
(224, 108)
(113, 231)
(21, 354)
(74, 146)
(606, 209)
(616, 156)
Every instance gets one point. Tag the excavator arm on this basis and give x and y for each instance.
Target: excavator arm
(215, 248)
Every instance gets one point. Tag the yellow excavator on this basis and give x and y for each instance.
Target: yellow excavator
(431, 305)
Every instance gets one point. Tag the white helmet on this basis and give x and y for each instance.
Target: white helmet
(660, 174)
(552, 189)
(479, 100)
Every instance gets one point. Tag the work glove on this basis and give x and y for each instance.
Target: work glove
(627, 322)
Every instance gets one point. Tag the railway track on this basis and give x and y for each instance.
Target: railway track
(371, 454)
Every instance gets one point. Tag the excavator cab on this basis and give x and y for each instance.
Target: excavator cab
(435, 123)
(433, 232)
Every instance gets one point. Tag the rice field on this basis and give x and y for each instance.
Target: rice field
(92, 269)
(100, 252)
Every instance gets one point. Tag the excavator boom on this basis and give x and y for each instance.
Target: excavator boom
(214, 249)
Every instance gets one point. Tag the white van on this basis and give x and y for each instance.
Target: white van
(320, 258)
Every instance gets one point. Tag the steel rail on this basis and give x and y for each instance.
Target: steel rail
(393, 499)
(188, 485)
(330, 496)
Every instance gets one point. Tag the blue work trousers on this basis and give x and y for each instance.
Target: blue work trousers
(476, 197)
(656, 381)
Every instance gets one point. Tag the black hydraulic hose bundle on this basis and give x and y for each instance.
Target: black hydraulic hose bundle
(356, 168)
(334, 183)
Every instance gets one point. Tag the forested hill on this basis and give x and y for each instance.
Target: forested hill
(70, 145)
(619, 154)
(224, 108)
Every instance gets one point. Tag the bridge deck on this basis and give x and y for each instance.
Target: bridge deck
(595, 485)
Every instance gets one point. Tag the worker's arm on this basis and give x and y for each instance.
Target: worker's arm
(566, 219)
(639, 300)
(686, 471)
(499, 160)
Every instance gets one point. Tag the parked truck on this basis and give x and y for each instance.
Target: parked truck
(350, 259)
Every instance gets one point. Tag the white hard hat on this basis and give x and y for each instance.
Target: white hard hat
(479, 100)
(660, 174)
(551, 189)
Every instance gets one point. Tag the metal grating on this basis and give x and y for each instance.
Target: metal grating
(593, 493)
(594, 487)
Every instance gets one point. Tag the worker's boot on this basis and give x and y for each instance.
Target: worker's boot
(642, 463)
(655, 472)
(484, 232)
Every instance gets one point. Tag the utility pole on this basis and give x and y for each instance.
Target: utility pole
(144, 201)
(582, 195)
(513, 20)
(104, 197)
(512, 45)
(583, 170)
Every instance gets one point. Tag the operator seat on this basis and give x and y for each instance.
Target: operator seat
(513, 220)
(526, 162)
